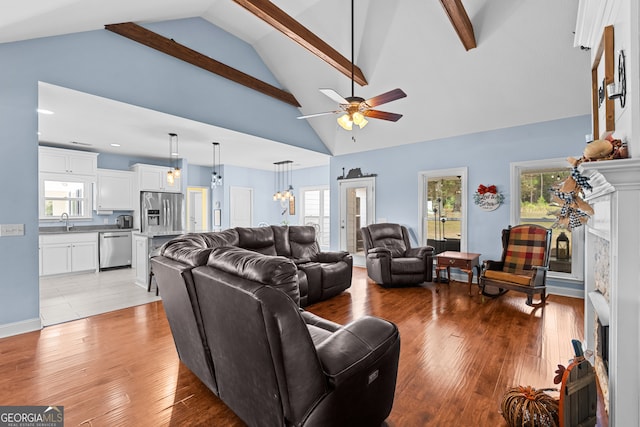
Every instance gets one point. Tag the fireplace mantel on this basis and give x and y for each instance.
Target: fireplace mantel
(616, 201)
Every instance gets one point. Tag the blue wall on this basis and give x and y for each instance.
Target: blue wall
(108, 65)
(265, 210)
(487, 155)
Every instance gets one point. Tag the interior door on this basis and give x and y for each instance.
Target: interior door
(357, 209)
(197, 208)
(241, 207)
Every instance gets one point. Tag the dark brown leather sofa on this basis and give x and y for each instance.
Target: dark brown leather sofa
(322, 275)
(238, 326)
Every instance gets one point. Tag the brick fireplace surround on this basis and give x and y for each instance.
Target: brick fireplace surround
(612, 279)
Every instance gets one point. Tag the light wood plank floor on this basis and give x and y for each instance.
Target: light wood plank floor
(458, 356)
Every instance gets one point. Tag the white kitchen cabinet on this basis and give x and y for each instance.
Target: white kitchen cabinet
(68, 252)
(115, 190)
(59, 160)
(56, 258)
(154, 178)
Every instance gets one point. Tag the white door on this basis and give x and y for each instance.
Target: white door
(197, 208)
(357, 209)
(241, 207)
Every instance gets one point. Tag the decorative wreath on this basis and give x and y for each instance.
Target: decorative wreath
(488, 198)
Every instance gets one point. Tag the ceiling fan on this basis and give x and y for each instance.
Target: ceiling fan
(355, 108)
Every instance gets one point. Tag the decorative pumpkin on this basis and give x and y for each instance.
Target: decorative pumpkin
(528, 407)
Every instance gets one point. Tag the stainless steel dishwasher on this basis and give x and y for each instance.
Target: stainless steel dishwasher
(115, 249)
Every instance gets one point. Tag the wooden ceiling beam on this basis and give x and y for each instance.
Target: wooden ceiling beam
(168, 46)
(284, 23)
(460, 21)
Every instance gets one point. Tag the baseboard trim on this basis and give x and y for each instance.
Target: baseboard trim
(17, 328)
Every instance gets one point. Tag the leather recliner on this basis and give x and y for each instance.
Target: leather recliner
(277, 365)
(390, 259)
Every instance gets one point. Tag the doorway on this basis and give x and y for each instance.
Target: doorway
(241, 207)
(443, 209)
(357, 209)
(197, 208)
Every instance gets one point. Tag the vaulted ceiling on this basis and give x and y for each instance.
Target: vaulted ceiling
(524, 68)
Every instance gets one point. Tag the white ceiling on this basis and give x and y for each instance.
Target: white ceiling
(524, 70)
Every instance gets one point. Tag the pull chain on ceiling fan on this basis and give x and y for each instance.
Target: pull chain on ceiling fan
(355, 108)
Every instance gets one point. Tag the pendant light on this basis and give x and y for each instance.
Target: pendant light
(282, 176)
(216, 174)
(174, 171)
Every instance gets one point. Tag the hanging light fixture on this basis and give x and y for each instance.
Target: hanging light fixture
(216, 174)
(282, 174)
(174, 171)
(352, 114)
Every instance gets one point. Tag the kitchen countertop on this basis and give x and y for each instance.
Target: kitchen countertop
(152, 234)
(81, 229)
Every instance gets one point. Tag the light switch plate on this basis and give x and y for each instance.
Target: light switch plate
(11, 230)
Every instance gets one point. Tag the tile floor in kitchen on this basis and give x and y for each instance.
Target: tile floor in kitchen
(76, 296)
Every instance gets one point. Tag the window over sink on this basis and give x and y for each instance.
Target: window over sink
(70, 195)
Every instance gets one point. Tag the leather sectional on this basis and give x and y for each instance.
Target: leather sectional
(233, 301)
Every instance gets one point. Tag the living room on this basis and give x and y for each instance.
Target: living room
(96, 62)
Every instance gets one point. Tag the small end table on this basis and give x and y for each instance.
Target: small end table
(465, 261)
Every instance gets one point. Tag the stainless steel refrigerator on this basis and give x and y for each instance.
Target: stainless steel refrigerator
(161, 212)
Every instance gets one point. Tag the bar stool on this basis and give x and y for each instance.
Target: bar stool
(154, 253)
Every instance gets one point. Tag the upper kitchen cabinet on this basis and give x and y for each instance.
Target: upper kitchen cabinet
(58, 160)
(115, 190)
(154, 178)
(65, 182)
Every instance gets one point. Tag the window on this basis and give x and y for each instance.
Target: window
(533, 204)
(315, 211)
(442, 196)
(71, 196)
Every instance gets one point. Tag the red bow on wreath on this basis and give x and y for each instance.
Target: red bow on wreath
(490, 189)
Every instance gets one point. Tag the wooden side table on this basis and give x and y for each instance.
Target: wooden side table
(465, 261)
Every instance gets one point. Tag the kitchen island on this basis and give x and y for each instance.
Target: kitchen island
(144, 243)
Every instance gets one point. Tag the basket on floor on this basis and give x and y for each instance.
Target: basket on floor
(528, 407)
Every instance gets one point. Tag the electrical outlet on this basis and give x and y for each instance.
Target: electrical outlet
(105, 220)
(11, 230)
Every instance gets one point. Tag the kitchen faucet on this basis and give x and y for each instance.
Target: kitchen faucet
(65, 217)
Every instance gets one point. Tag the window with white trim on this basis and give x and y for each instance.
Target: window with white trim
(532, 203)
(70, 195)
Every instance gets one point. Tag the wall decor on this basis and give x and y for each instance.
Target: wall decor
(603, 114)
(574, 211)
(488, 198)
(355, 173)
(292, 205)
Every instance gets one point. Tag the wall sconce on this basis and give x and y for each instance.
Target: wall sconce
(618, 90)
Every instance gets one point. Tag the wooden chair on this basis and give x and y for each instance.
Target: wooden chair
(524, 263)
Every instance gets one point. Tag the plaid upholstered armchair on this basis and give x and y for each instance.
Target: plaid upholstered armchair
(524, 263)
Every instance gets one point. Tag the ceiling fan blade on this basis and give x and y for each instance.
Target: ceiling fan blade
(376, 114)
(316, 114)
(334, 95)
(392, 95)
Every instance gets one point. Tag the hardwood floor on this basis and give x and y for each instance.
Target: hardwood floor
(458, 356)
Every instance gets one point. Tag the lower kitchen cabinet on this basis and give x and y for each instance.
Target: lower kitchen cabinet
(68, 253)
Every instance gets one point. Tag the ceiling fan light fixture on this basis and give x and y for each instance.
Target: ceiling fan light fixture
(345, 122)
